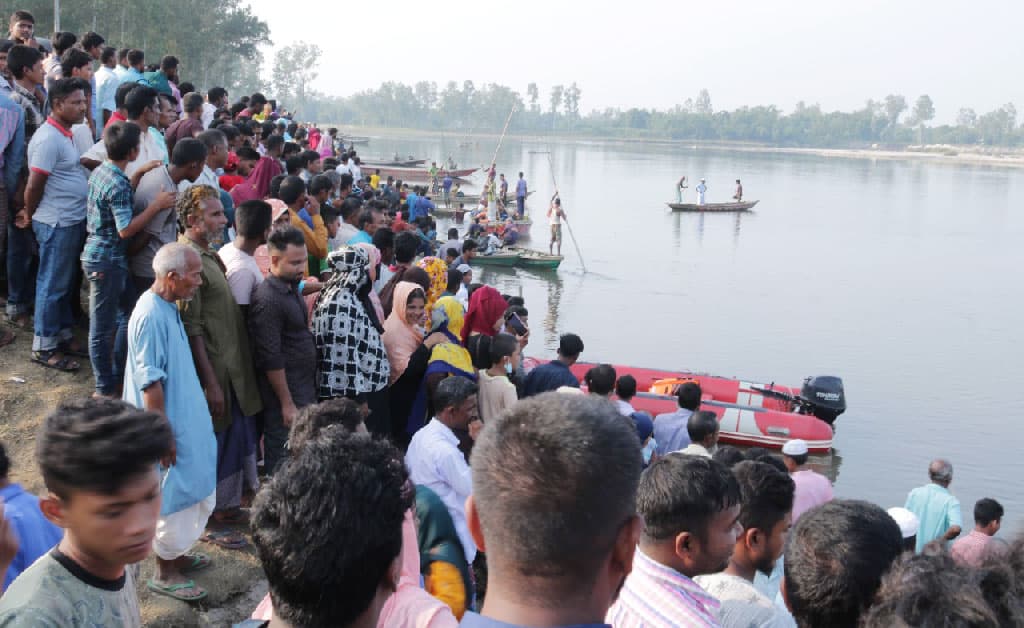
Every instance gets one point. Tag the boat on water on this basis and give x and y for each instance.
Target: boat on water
(750, 414)
(418, 173)
(355, 139)
(520, 258)
(474, 199)
(409, 163)
(743, 206)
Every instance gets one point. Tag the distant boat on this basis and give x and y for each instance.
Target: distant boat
(408, 163)
(355, 139)
(522, 258)
(713, 207)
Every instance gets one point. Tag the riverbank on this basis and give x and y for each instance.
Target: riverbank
(935, 153)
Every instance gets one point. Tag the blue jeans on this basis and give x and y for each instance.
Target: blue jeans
(110, 303)
(20, 284)
(521, 205)
(59, 249)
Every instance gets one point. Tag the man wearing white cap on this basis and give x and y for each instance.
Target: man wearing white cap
(907, 521)
(812, 488)
(462, 296)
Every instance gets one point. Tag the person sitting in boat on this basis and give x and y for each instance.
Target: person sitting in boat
(679, 189)
(481, 208)
(511, 234)
(738, 196)
(701, 189)
(492, 244)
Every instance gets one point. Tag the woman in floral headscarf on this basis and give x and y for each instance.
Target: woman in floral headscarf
(353, 362)
(437, 270)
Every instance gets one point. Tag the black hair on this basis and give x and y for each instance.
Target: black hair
(683, 493)
(257, 99)
(728, 455)
(283, 237)
(5, 463)
(328, 527)
(22, 16)
(292, 188)
(688, 395)
(135, 57)
(454, 280)
(406, 244)
(987, 510)
(570, 345)
(253, 218)
(191, 102)
(514, 301)
(6, 45)
(21, 58)
(98, 445)
(452, 391)
(137, 100)
(186, 88)
(230, 131)
(216, 93)
(701, 424)
(120, 139)
(502, 346)
(122, 54)
(293, 165)
(600, 379)
(107, 54)
(760, 454)
(557, 530)
(366, 217)
(187, 151)
(169, 62)
(62, 41)
(766, 495)
(469, 245)
(236, 108)
(320, 183)
(62, 88)
(121, 93)
(836, 555)
(309, 156)
(799, 459)
(247, 153)
(453, 233)
(625, 388)
(314, 418)
(275, 186)
(72, 59)
(91, 40)
(384, 238)
(273, 142)
(291, 148)
(346, 181)
(212, 138)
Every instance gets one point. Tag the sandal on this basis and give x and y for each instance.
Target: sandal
(231, 517)
(200, 562)
(21, 321)
(44, 358)
(7, 338)
(66, 348)
(172, 590)
(226, 539)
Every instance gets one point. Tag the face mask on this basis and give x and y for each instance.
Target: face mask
(508, 369)
(649, 450)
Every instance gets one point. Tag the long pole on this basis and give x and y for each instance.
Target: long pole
(566, 218)
(495, 158)
(56, 15)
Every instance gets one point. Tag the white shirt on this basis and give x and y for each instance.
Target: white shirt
(344, 169)
(434, 460)
(149, 150)
(207, 116)
(208, 177)
(625, 408)
(554, 216)
(243, 272)
(742, 604)
(695, 449)
(357, 172)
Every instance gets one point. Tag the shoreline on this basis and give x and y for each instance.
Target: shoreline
(933, 153)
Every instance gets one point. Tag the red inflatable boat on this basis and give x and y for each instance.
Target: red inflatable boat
(750, 414)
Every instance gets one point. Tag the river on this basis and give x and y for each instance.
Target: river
(901, 277)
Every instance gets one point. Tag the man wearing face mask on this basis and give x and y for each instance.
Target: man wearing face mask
(497, 392)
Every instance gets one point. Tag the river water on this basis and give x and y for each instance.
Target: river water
(901, 277)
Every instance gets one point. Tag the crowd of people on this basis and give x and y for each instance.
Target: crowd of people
(284, 357)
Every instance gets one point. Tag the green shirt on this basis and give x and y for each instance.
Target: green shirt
(213, 314)
(57, 592)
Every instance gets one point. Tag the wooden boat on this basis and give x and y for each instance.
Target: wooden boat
(355, 139)
(374, 163)
(499, 258)
(419, 174)
(713, 207)
(474, 199)
(528, 258)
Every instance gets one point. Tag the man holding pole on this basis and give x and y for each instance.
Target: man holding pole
(555, 216)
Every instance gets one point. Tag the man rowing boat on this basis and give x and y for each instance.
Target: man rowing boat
(555, 216)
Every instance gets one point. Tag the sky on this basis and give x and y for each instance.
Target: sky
(655, 54)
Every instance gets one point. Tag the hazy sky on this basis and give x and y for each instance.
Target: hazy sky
(650, 53)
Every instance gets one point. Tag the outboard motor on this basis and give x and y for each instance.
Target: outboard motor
(823, 396)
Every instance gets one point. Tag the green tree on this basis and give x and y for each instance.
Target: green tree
(924, 111)
(534, 95)
(703, 104)
(895, 105)
(557, 94)
(572, 101)
(295, 67)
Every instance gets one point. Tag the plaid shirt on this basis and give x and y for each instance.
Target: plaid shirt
(656, 596)
(109, 209)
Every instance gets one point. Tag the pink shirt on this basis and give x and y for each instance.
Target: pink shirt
(970, 548)
(812, 489)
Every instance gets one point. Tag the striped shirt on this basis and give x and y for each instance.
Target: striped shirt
(656, 596)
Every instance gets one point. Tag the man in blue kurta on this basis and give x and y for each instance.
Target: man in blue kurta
(936, 508)
(161, 376)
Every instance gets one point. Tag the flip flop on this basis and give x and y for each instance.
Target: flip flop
(66, 349)
(171, 590)
(200, 562)
(230, 517)
(225, 539)
(43, 358)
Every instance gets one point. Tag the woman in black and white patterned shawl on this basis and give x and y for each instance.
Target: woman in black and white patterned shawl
(352, 360)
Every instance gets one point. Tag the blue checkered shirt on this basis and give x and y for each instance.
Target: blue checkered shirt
(108, 211)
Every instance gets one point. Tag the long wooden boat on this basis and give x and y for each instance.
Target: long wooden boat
(420, 174)
(499, 258)
(528, 258)
(713, 207)
(471, 200)
(355, 139)
(376, 163)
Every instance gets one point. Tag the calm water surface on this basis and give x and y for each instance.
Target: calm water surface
(903, 278)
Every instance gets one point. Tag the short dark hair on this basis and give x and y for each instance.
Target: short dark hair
(452, 391)
(766, 495)
(453, 233)
(406, 244)
(72, 59)
(683, 493)
(469, 245)
(688, 395)
(257, 99)
(384, 238)
(701, 424)
(122, 53)
(274, 142)
(91, 40)
(320, 183)
(63, 88)
(121, 93)
(253, 218)
(215, 94)
(275, 186)
(21, 58)
(169, 62)
(728, 455)
(314, 418)
(283, 237)
(212, 138)
(138, 99)
(22, 16)
(292, 188)
(559, 529)
(625, 388)
(570, 345)
(5, 462)
(187, 151)
(62, 41)
(454, 278)
(191, 102)
(230, 131)
(135, 57)
(120, 139)
(248, 153)
(502, 346)
(293, 165)
(309, 156)
(325, 570)
(836, 555)
(600, 379)
(98, 445)
(6, 45)
(987, 510)
(366, 217)
(107, 54)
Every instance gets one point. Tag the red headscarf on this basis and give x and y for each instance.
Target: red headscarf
(486, 306)
(257, 186)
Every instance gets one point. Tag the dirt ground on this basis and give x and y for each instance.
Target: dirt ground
(235, 580)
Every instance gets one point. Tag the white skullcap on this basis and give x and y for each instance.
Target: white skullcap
(795, 447)
(906, 520)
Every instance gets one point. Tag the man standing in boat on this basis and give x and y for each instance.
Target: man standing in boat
(555, 216)
(701, 188)
(679, 189)
(738, 196)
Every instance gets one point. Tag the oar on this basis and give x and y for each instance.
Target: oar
(494, 160)
(565, 218)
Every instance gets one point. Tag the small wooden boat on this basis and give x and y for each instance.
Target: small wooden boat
(419, 174)
(528, 258)
(713, 207)
(473, 199)
(498, 258)
(355, 139)
(374, 163)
